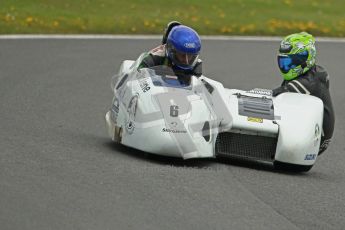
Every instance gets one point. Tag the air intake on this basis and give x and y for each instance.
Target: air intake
(246, 146)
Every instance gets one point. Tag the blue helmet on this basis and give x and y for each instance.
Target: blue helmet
(183, 47)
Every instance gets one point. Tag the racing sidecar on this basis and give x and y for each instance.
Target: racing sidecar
(153, 110)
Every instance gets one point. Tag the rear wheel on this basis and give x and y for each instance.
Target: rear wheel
(291, 167)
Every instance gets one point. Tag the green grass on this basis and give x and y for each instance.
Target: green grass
(224, 17)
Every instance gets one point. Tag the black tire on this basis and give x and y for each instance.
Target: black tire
(291, 167)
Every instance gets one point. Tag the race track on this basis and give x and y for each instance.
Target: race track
(59, 170)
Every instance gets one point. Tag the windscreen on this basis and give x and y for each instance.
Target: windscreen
(166, 77)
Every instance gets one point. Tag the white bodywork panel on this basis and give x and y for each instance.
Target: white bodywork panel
(185, 121)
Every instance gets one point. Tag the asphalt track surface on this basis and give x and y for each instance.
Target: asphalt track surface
(59, 170)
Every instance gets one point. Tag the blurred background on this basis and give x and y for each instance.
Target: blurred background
(216, 17)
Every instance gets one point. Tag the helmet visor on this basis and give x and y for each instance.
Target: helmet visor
(286, 62)
(184, 60)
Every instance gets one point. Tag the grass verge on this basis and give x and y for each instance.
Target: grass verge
(218, 17)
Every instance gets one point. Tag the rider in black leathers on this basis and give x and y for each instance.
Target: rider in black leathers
(296, 61)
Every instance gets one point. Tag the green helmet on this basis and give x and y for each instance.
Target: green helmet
(296, 55)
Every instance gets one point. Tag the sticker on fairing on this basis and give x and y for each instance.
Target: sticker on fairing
(131, 110)
(115, 109)
(259, 91)
(310, 157)
(255, 119)
(144, 84)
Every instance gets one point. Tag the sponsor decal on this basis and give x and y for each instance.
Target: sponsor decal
(115, 109)
(310, 157)
(189, 45)
(165, 130)
(144, 85)
(132, 109)
(265, 92)
(255, 119)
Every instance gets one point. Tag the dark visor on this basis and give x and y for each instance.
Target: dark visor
(290, 61)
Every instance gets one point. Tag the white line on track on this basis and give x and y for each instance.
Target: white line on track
(153, 37)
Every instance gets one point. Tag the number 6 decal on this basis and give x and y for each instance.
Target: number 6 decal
(174, 111)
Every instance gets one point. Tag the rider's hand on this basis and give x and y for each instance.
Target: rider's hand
(278, 91)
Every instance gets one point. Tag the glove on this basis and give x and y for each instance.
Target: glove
(278, 91)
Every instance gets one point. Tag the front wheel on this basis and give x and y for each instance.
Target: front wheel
(291, 167)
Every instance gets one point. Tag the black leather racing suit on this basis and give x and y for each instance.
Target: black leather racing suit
(316, 83)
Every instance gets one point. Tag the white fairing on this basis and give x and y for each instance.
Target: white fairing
(179, 121)
(152, 112)
(300, 128)
(297, 124)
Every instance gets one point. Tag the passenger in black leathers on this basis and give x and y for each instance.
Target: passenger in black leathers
(296, 61)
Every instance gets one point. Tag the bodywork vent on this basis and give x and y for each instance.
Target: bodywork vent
(246, 146)
(256, 107)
